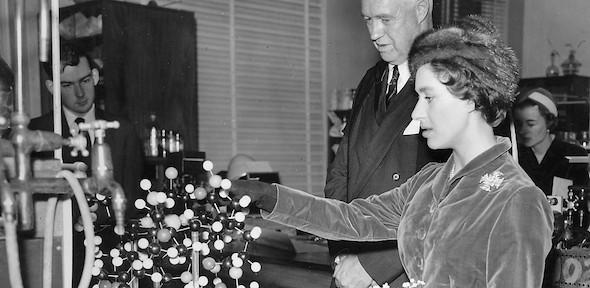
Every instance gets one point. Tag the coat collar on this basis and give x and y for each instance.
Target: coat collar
(476, 166)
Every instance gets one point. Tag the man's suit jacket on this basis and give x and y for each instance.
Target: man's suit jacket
(375, 157)
(125, 147)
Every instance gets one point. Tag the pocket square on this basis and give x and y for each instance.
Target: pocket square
(413, 128)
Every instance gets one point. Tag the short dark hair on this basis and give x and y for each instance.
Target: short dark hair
(473, 62)
(6, 77)
(69, 55)
(550, 118)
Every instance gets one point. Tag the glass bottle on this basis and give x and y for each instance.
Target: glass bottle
(179, 143)
(163, 147)
(585, 140)
(172, 142)
(151, 136)
(570, 66)
(552, 70)
(571, 138)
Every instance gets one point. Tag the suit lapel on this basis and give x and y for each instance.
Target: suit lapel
(392, 127)
(65, 132)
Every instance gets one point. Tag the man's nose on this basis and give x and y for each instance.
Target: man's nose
(375, 29)
(78, 90)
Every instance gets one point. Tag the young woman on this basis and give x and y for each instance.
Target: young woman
(541, 155)
(475, 221)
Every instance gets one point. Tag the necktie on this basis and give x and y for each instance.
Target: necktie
(392, 86)
(388, 89)
(84, 133)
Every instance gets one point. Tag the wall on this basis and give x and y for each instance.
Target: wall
(560, 22)
(349, 49)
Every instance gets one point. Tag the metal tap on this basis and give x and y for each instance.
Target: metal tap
(102, 180)
(24, 142)
(9, 210)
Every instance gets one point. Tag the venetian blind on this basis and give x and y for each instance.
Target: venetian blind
(260, 84)
(497, 10)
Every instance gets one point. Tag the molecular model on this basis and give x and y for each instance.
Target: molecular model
(184, 239)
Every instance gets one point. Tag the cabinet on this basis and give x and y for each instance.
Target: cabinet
(148, 57)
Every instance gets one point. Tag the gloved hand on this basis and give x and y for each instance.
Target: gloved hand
(263, 195)
(349, 273)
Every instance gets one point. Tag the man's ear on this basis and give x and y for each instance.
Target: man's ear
(423, 8)
(49, 85)
(95, 76)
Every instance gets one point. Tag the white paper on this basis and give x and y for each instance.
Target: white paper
(560, 186)
(413, 128)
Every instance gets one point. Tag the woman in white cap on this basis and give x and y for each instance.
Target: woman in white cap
(541, 154)
(475, 221)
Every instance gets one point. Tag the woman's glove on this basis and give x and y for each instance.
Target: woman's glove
(263, 195)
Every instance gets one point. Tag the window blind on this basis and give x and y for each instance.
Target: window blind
(261, 71)
(497, 10)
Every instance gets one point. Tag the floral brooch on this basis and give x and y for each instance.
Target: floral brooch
(491, 181)
(412, 284)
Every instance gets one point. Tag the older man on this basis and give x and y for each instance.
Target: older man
(381, 147)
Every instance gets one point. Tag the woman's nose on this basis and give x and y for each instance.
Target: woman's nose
(419, 110)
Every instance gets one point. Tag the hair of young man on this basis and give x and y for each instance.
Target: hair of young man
(70, 55)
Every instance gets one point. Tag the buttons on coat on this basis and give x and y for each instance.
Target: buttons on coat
(395, 176)
(420, 263)
(420, 233)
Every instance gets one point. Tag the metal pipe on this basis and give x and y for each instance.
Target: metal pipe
(44, 31)
(195, 260)
(18, 21)
(9, 213)
(22, 159)
(24, 141)
(102, 171)
(56, 72)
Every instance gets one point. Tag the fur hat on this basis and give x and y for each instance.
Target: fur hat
(483, 68)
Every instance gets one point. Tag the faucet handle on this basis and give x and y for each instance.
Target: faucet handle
(79, 145)
(99, 126)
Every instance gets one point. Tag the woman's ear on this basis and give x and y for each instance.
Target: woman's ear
(95, 76)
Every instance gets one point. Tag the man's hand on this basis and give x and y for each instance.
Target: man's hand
(349, 273)
(262, 194)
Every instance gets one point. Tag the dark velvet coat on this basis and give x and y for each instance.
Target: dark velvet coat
(487, 225)
(373, 158)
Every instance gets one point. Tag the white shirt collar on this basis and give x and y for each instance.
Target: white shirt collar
(404, 74)
(71, 116)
